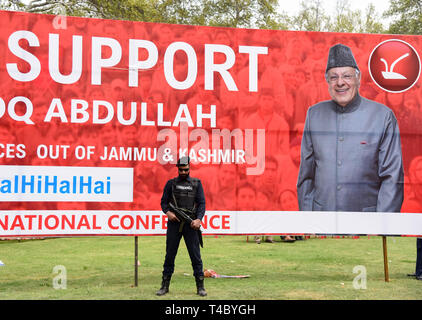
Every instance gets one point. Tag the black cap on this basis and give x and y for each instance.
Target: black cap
(183, 161)
(340, 56)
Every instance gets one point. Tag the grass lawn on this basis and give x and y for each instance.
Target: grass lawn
(103, 268)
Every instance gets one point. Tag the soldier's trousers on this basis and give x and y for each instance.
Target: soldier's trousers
(172, 245)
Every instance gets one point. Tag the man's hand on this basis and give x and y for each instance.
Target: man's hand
(195, 224)
(172, 216)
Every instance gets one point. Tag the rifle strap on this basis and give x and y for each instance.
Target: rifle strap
(182, 223)
(174, 198)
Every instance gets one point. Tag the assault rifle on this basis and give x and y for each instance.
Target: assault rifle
(182, 215)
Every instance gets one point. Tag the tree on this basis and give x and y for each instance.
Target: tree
(269, 16)
(407, 16)
(227, 13)
(242, 13)
(179, 12)
(312, 17)
(111, 9)
(370, 22)
(262, 14)
(347, 20)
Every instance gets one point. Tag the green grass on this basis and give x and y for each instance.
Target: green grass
(103, 268)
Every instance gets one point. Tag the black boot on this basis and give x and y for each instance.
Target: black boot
(165, 284)
(200, 286)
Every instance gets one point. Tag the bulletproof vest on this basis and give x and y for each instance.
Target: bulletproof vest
(184, 192)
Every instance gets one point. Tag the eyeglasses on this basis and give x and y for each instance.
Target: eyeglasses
(183, 170)
(345, 77)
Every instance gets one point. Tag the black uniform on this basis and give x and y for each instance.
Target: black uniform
(188, 194)
(418, 271)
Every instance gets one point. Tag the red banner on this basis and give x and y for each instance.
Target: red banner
(95, 113)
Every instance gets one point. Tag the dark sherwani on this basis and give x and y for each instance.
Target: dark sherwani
(351, 158)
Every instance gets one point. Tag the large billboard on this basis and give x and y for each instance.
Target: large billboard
(95, 113)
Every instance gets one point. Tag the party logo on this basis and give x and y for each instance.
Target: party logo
(394, 65)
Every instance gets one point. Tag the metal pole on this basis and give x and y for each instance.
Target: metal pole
(384, 246)
(136, 261)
